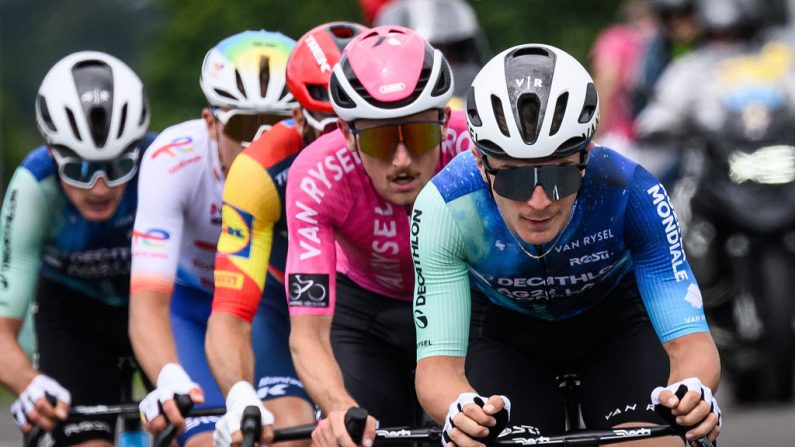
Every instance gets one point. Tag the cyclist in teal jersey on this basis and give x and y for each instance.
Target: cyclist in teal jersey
(537, 254)
(66, 224)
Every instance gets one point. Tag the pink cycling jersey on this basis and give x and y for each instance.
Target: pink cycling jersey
(337, 222)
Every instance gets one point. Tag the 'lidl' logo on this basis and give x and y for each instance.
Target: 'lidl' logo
(151, 238)
(235, 232)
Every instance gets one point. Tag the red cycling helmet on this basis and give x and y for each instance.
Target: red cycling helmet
(389, 72)
(311, 62)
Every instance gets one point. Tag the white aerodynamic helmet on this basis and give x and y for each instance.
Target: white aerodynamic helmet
(532, 101)
(92, 104)
(246, 71)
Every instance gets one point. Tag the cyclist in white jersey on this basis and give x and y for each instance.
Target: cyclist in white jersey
(179, 221)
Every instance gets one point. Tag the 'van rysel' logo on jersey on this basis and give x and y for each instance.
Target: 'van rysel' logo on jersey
(318, 54)
(308, 290)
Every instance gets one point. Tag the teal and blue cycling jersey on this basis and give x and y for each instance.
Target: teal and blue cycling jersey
(42, 233)
(622, 222)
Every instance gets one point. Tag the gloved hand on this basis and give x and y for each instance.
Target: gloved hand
(171, 381)
(46, 413)
(240, 396)
(498, 407)
(687, 405)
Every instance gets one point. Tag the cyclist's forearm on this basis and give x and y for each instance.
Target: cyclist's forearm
(694, 355)
(150, 331)
(315, 363)
(439, 381)
(229, 353)
(16, 371)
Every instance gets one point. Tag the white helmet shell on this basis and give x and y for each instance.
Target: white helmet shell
(532, 101)
(93, 104)
(246, 71)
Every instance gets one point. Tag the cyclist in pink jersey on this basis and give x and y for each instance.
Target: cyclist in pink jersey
(349, 269)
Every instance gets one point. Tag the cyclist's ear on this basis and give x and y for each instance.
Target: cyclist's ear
(350, 139)
(209, 121)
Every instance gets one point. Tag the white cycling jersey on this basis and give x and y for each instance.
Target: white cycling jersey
(179, 211)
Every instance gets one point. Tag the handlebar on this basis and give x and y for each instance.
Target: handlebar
(355, 419)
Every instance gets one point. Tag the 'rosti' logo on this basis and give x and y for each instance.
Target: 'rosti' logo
(235, 232)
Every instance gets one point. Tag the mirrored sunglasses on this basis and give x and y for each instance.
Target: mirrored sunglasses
(519, 183)
(80, 173)
(380, 142)
(244, 126)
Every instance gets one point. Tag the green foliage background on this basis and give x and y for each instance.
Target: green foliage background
(165, 42)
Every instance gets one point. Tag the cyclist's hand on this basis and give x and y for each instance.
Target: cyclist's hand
(227, 429)
(33, 408)
(331, 431)
(159, 408)
(472, 419)
(692, 406)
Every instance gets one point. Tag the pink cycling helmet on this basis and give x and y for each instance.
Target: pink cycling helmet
(389, 72)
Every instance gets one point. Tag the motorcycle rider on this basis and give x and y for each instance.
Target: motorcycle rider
(740, 161)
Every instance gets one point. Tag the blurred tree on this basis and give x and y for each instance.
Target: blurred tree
(34, 34)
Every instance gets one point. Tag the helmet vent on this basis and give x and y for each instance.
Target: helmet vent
(96, 123)
(499, 114)
(490, 148)
(560, 111)
(529, 107)
(571, 146)
(240, 87)
(122, 121)
(264, 76)
(317, 92)
(45, 113)
(443, 83)
(341, 99)
(341, 31)
(73, 123)
(225, 94)
(472, 110)
(589, 105)
(285, 92)
(530, 51)
(144, 112)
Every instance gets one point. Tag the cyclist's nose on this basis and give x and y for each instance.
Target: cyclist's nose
(539, 200)
(100, 186)
(402, 157)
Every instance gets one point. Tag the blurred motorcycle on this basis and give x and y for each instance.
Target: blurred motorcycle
(740, 225)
